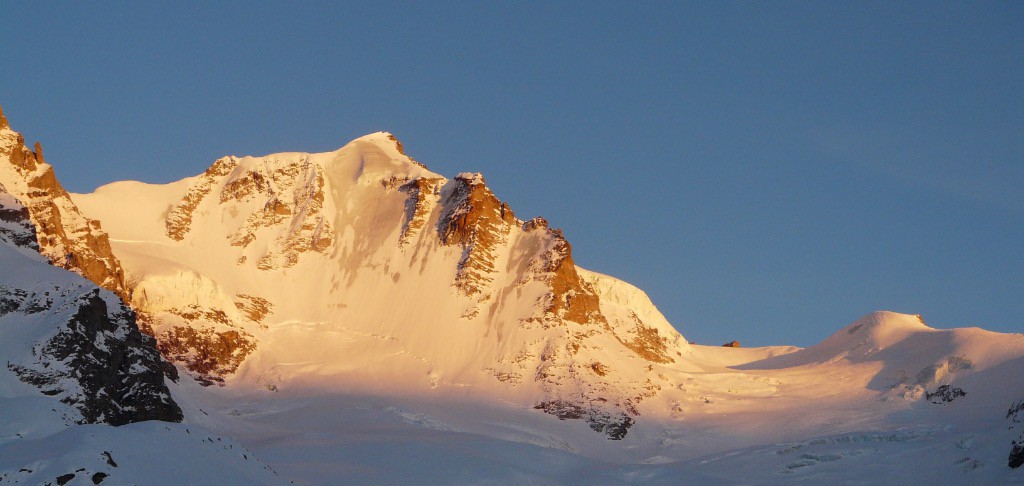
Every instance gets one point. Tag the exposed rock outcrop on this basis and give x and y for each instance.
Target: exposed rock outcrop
(289, 193)
(89, 352)
(471, 216)
(646, 342)
(613, 425)
(98, 361)
(571, 298)
(944, 394)
(210, 343)
(66, 237)
(208, 354)
(422, 194)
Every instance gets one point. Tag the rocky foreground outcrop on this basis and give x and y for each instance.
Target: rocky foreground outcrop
(72, 340)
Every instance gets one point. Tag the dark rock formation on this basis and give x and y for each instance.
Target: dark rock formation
(16, 226)
(614, 426)
(732, 344)
(98, 361)
(944, 394)
(1016, 454)
(89, 352)
(1015, 415)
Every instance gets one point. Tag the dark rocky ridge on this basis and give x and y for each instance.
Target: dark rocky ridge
(114, 370)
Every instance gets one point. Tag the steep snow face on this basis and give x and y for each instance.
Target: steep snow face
(638, 323)
(68, 239)
(362, 265)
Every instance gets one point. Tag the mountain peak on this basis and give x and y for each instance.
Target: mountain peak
(471, 178)
(385, 140)
(3, 119)
(386, 143)
(886, 322)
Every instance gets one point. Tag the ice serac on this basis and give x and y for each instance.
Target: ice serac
(413, 279)
(67, 238)
(72, 340)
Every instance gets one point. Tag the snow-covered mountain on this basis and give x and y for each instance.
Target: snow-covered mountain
(352, 317)
(360, 268)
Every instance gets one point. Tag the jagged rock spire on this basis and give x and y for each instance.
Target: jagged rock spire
(39, 153)
(3, 119)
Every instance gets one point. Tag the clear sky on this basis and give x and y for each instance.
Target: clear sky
(766, 171)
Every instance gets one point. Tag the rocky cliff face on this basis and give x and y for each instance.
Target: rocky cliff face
(97, 361)
(72, 340)
(68, 239)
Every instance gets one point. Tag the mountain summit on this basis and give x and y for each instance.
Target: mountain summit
(366, 243)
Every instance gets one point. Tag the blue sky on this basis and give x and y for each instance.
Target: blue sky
(766, 171)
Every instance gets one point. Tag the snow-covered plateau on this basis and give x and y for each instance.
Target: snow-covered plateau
(351, 317)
